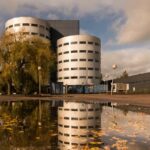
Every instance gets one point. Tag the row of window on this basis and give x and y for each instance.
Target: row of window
(75, 144)
(78, 127)
(80, 51)
(75, 118)
(28, 24)
(34, 33)
(73, 60)
(90, 109)
(76, 77)
(76, 68)
(79, 42)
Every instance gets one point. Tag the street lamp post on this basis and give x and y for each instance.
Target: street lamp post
(114, 66)
(39, 78)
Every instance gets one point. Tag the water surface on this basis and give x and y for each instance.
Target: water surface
(64, 125)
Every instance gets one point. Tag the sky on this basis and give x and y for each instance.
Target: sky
(122, 25)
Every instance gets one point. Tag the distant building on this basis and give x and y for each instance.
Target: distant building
(79, 60)
(137, 83)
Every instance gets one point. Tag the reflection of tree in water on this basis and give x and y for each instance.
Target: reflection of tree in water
(21, 128)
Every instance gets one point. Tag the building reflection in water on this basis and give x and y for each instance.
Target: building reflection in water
(76, 123)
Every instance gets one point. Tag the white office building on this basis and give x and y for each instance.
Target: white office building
(79, 60)
(28, 26)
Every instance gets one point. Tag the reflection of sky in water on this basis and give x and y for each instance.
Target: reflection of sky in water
(132, 128)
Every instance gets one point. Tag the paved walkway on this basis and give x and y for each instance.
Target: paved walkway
(132, 99)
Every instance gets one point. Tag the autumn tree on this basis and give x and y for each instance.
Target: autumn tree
(20, 58)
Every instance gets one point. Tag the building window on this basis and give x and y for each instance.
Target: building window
(65, 69)
(74, 109)
(60, 108)
(60, 141)
(67, 60)
(82, 42)
(90, 51)
(42, 35)
(17, 25)
(34, 25)
(90, 118)
(96, 60)
(66, 118)
(82, 77)
(60, 62)
(96, 77)
(97, 69)
(73, 118)
(42, 27)
(90, 77)
(97, 44)
(90, 59)
(60, 45)
(10, 26)
(82, 51)
(82, 136)
(66, 109)
(60, 53)
(74, 68)
(66, 52)
(47, 37)
(60, 78)
(74, 77)
(82, 109)
(25, 24)
(90, 127)
(60, 125)
(74, 143)
(90, 43)
(90, 109)
(66, 44)
(66, 126)
(66, 143)
(25, 33)
(96, 118)
(82, 59)
(74, 136)
(74, 59)
(33, 33)
(82, 68)
(90, 68)
(82, 127)
(74, 51)
(83, 119)
(60, 69)
(74, 42)
(66, 77)
(60, 133)
(74, 127)
(66, 134)
(96, 52)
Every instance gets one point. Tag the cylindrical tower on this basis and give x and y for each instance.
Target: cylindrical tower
(29, 26)
(79, 60)
(76, 121)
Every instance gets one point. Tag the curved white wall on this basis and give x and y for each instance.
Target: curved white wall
(79, 60)
(76, 121)
(30, 27)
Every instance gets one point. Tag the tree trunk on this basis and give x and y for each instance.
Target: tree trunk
(8, 88)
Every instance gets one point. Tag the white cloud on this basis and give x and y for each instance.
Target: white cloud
(136, 27)
(133, 60)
